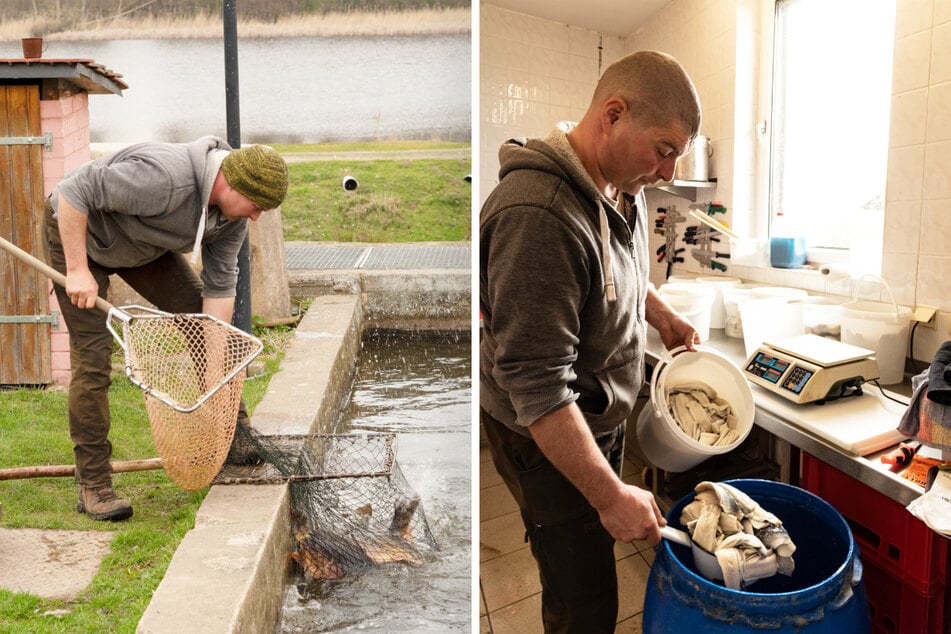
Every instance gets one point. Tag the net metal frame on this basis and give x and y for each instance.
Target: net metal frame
(191, 370)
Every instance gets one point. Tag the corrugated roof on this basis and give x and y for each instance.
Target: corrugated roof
(85, 73)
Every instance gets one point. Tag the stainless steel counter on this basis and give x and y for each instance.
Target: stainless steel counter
(770, 417)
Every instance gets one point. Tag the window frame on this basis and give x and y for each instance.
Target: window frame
(764, 129)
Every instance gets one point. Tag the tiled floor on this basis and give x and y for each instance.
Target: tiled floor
(510, 594)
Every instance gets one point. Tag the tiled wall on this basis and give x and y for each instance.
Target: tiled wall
(916, 256)
(535, 72)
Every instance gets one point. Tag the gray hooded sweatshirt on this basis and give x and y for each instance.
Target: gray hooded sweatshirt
(557, 328)
(148, 199)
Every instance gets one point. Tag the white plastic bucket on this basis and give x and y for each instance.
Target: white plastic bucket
(732, 297)
(786, 292)
(822, 316)
(660, 438)
(718, 311)
(880, 327)
(692, 300)
(769, 318)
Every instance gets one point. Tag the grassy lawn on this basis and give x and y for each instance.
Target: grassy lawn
(397, 201)
(409, 200)
(35, 432)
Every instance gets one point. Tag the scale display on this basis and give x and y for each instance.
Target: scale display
(772, 368)
(808, 368)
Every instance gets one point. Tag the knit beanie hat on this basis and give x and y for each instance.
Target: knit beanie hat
(258, 173)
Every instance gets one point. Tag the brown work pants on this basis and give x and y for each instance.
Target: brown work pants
(171, 284)
(574, 552)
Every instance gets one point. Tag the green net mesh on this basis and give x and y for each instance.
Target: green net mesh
(352, 507)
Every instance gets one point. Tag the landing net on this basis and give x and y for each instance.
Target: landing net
(352, 507)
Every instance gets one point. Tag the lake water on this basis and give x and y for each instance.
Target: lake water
(293, 90)
(420, 388)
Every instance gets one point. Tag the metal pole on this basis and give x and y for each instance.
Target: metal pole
(242, 301)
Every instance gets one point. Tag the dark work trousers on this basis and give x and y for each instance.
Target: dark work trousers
(170, 283)
(575, 554)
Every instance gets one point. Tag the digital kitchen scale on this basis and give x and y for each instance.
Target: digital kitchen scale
(809, 368)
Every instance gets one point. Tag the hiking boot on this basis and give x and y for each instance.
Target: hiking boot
(102, 503)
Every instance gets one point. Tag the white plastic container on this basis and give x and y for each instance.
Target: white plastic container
(660, 437)
(717, 311)
(732, 297)
(880, 327)
(694, 301)
(769, 318)
(822, 316)
(786, 292)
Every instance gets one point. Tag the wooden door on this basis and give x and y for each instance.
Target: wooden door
(24, 304)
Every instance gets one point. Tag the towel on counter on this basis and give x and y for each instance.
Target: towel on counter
(927, 421)
(939, 377)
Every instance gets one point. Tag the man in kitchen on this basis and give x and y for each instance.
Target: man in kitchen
(565, 299)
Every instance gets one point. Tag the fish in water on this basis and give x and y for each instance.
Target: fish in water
(403, 511)
(326, 556)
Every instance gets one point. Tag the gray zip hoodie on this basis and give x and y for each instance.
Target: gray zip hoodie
(557, 328)
(149, 198)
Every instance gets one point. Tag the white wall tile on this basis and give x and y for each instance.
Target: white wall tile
(939, 112)
(900, 270)
(905, 173)
(912, 16)
(902, 226)
(908, 118)
(937, 178)
(912, 61)
(942, 11)
(941, 54)
(935, 227)
(932, 283)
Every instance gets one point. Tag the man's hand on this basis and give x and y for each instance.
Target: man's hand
(82, 288)
(633, 515)
(674, 330)
(626, 512)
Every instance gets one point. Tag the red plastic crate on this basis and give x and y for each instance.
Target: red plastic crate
(897, 608)
(888, 535)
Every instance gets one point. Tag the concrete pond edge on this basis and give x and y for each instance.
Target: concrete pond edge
(229, 572)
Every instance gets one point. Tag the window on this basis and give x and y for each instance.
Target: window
(831, 99)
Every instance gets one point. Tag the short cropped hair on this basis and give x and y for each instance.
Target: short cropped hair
(655, 87)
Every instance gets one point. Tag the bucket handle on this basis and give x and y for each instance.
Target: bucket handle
(875, 278)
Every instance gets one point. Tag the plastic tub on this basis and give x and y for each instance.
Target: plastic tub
(732, 296)
(660, 438)
(769, 318)
(822, 316)
(880, 327)
(718, 311)
(825, 594)
(694, 301)
(786, 292)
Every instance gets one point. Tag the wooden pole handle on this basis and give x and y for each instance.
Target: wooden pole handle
(68, 470)
(45, 269)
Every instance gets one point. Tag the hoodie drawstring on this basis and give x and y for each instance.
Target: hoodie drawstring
(609, 291)
(200, 234)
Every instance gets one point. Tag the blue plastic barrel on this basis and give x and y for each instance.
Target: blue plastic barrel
(824, 594)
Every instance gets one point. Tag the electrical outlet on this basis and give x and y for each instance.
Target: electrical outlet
(925, 315)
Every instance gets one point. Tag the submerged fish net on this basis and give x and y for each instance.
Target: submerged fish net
(352, 507)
